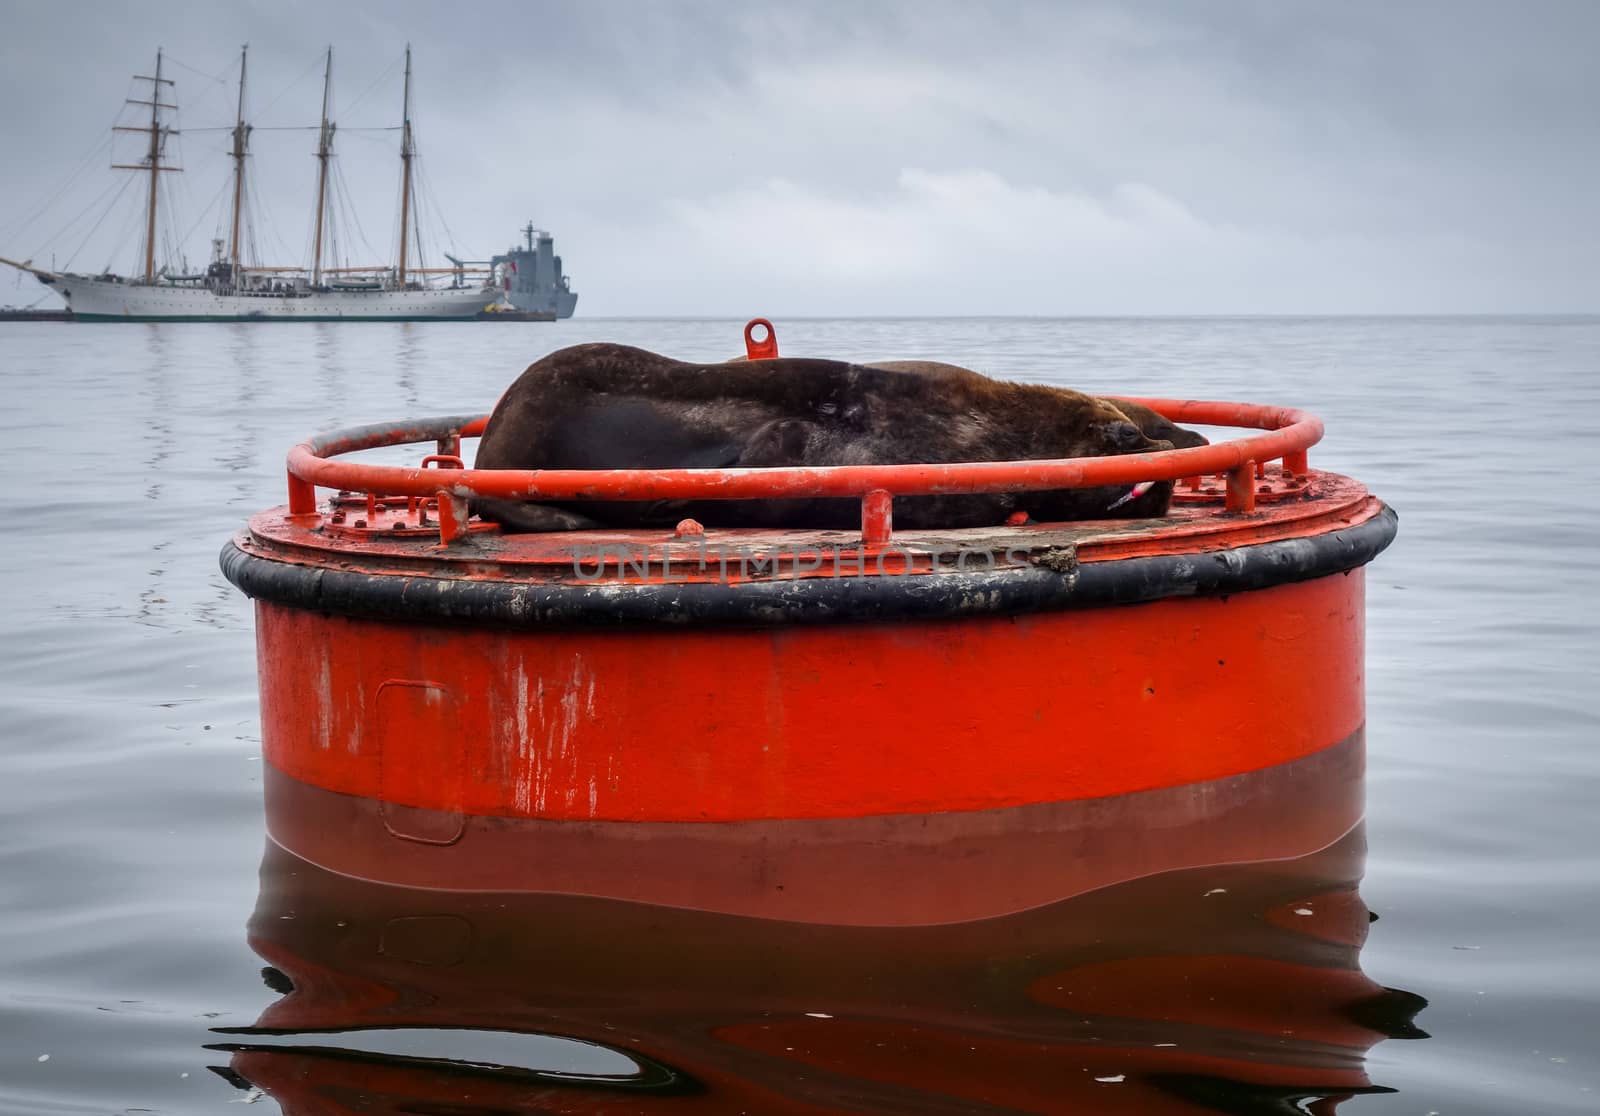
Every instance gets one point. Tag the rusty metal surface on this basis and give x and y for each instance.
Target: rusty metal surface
(401, 534)
(874, 870)
(632, 721)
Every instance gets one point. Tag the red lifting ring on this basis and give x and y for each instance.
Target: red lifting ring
(764, 348)
(1285, 434)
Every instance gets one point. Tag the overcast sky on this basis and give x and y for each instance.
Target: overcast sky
(865, 158)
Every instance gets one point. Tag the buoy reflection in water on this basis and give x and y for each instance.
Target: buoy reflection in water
(1232, 988)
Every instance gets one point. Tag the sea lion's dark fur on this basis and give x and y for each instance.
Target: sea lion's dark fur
(603, 406)
(1156, 427)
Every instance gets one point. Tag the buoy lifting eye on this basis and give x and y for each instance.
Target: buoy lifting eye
(760, 340)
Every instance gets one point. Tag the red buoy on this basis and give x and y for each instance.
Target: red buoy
(812, 717)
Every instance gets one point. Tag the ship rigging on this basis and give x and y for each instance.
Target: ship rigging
(229, 288)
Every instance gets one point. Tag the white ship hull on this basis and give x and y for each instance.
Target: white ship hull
(92, 299)
(228, 289)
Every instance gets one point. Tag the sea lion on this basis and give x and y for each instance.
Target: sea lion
(605, 406)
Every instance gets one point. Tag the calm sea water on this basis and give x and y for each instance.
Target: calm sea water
(131, 836)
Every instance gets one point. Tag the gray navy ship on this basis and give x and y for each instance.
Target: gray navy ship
(535, 289)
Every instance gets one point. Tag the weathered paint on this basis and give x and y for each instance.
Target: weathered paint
(870, 870)
(813, 721)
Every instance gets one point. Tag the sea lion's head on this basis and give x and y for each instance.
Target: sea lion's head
(1115, 433)
(1149, 498)
(1158, 427)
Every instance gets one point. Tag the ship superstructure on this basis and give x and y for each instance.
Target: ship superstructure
(530, 277)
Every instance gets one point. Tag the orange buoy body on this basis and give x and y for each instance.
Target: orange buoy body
(814, 719)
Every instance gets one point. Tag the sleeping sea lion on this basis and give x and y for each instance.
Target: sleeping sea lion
(605, 406)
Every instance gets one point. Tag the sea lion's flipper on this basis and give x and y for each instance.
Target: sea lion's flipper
(516, 515)
(635, 433)
(776, 444)
(616, 434)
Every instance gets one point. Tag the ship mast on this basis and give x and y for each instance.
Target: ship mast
(324, 148)
(152, 159)
(241, 137)
(406, 154)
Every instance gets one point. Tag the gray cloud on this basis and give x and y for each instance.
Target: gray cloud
(890, 158)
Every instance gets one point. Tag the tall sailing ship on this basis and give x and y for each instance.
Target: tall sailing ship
(230, 290)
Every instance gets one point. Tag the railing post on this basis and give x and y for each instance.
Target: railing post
(877, 517)
(453, 515)
(454, 511)
(302, 497)
(1242, 487)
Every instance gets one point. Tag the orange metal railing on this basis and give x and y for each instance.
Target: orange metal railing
(1289, 433)
(1285, 434)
